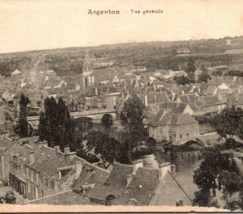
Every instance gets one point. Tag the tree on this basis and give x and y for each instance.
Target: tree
(204, 77)
(56, 126)
(132, 120)
(191, 69)
(208, 177)
(182, 80)
(107, 121)
(42, 127)
(107, 147)
(229, 122)
(22, 126)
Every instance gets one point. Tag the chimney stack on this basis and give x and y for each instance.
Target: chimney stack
(136, 165)
(69, 155)
(32, 157)
(146, 100)
(163, 169)
(57, 149)
(66, 150)
(78, 169)
(42, 143)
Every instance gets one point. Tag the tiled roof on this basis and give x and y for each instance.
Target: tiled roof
(169, 194)
(118, 175)
(171, 107)
(172, 119)
(5, 144)
(64, 198)
(103, 191)
(142, 187)
(157, 97)
(91, 175)
(210, 101)
(32, 141)
(191, 100)
(211, 90)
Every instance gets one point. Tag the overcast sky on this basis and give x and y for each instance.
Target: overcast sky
(42, 24)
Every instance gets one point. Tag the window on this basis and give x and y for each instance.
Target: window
(187, 134)
(42, 193)
(180, 135)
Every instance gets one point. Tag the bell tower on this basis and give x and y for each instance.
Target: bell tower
(88, 77)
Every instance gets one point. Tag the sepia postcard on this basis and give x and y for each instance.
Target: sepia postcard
(120, 106)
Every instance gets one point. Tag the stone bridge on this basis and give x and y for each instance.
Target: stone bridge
(96, 116)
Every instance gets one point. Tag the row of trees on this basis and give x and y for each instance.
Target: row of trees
(56, 126)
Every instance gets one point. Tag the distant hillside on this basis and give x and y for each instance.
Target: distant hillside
(153, 55)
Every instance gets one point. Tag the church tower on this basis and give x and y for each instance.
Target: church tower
(88, 77)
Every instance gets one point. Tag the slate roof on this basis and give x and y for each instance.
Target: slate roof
(64, 198)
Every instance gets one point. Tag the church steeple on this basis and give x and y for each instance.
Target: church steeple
(88, 78)
(87, 64)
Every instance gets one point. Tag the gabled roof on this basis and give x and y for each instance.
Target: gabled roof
(157, 97)
(210, 101)
(169, 193)
(172, 119)
(16, 71)
(142, 188)
(91, 175)
(177, 108)
(211, 90)
(118, 175)
(5, 144)
(191, 100)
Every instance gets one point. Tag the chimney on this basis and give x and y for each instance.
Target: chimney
(137, 80)
(69, 155)
(78, 169)
(136, 165)
(155, 99)
(182, 92)
(42, 143)
(96, 91)
(32, 157)
(163, 169)
(66, 150)
(129, 179)
(146, 100)
(57, 149)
